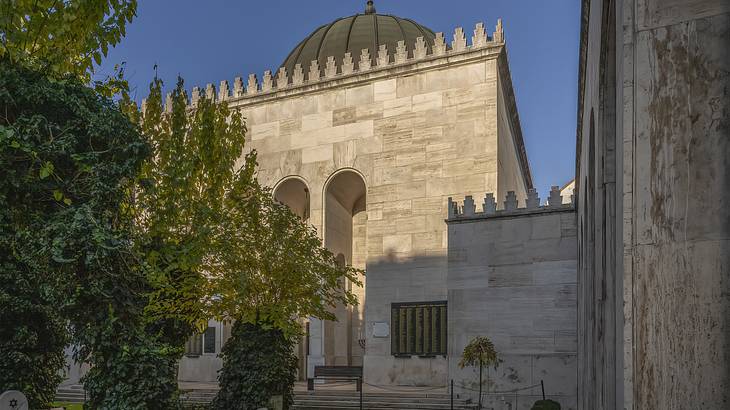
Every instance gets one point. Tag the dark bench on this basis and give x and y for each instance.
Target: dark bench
(337, 373)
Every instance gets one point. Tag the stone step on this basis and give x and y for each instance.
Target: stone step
(69, 399)
(70, 394)
(379, 406)
(369, 399)
(378, 401)
(385, 393)
(192, 395)
(321, 399)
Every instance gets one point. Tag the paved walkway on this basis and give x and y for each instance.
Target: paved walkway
(301, 387)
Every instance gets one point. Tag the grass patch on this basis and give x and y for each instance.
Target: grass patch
(68, 406)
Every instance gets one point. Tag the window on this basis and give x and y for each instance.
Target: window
(418, 329)
(194, 346)
(209, 340)
(201, 343)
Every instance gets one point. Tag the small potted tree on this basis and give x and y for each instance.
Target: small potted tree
(479, 352)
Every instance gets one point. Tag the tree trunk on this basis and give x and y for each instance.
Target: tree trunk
(480, 386)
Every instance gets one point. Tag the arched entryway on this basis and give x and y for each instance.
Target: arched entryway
(344, 198)
(293, 192)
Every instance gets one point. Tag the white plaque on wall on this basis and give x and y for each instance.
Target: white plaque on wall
(381, 329)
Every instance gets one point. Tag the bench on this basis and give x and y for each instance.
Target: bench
(337, 373)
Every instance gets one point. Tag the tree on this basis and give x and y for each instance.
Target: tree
(62, 36)
(179, 201)
(270, 271)
(70, 158)
(270, 267)
(217, 245)
(479, 352)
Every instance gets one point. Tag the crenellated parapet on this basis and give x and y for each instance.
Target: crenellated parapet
(367, 61)
(510, 206)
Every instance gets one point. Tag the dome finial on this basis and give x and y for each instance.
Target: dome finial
(370, 8)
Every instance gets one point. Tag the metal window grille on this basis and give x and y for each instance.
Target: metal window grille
(418, 329)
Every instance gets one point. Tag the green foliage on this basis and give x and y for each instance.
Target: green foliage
(62, 36)
(179, 203)
(260, 364)
(480, 352)
(218, 244)
(70, 158)
(546, 405)
(269, 265)
(32, 335)
(144, 364)
(68, 406)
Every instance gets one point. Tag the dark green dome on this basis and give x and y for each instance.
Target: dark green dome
(353, 34)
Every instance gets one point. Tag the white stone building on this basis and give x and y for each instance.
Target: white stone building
(374, 122)
(369, 126)
(367, 136)
(366, 131)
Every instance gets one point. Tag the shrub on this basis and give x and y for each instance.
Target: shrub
(147, 368)
(546, 405)
(258, 364)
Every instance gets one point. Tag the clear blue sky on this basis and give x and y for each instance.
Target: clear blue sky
(213, 40)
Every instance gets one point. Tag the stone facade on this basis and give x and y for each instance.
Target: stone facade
(378, 151)
(653, 187)
(512, 277)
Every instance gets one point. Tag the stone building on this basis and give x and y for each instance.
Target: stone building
(617, 294)
(367, 129)
(370, 124)
(653, 189)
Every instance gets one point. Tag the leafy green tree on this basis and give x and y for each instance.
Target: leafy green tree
(217, 245)
(130, 369)
(270, 271)
(180, 203)
(270, 267)
(62, 36)
(480, 352)
(70, 158)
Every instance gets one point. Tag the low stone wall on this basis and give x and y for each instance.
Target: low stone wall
(512, 276)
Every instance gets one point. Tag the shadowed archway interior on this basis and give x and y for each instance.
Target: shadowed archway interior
(293, 192)
(345, 235)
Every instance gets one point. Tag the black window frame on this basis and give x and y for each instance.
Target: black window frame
(202, 343)
(420, 338)
(208, 344)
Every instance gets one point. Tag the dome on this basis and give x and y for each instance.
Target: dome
(353, 34)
